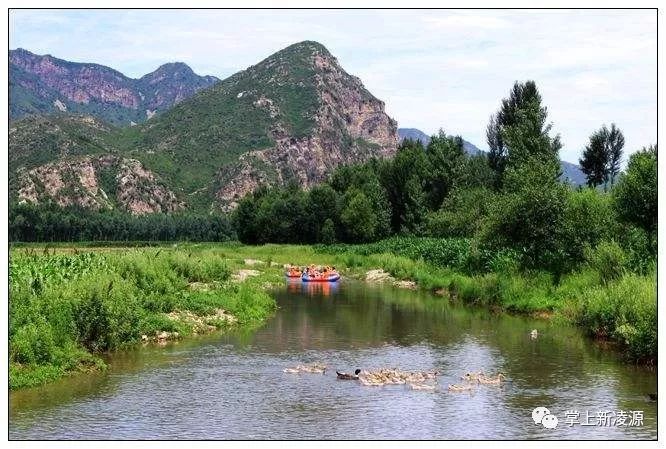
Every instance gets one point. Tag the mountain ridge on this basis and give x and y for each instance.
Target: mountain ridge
(42, 84)
(294, 116)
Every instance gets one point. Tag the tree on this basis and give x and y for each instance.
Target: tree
(476, 173)
(403, 180)
(518, 131)
(321, 207)
(357, 217)
(602, 156)
(595, 159)
(327, 235)
(614, 144)
(445, 159)
(528, 217)
(635, 195)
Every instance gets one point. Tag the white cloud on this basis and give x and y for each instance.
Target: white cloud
(466, 21)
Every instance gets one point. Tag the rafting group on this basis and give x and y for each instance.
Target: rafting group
(313, 273)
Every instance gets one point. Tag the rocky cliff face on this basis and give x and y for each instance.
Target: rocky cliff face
(43, 84)
(295, 116)
(96, 183)
(349, 125)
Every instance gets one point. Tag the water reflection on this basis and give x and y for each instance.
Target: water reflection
(312, 289)
(232, 385)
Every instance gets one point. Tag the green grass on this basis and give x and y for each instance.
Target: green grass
(67, 307)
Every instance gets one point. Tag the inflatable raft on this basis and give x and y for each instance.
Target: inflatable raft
(330, 278)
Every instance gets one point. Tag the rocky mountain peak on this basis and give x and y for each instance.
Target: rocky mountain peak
(294, 116)
(43, 84)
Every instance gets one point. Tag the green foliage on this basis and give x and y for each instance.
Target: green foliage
(602, 156)
(327, 235)
(357, 216)
(608, 259)
(31, 223)
(66, 308)
(624, 310)
(462, 213)
(640, 248)
(636, 192)
(445, 162)
(588, 219)
(403, 178)
(529, 216)
(518, 131)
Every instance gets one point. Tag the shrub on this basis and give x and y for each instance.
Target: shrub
(33, 343)
(608, 259)
(588, 219)
(625, 310)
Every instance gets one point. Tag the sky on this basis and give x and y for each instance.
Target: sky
(433, 69)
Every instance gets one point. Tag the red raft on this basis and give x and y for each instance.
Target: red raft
(330, 278)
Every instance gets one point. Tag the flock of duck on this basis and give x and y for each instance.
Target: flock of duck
(416, 380)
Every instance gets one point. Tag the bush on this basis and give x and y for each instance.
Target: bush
(589, 219)
(640, 247)
(461, 214)
(625, 310)
(33, 343)
(608, 259)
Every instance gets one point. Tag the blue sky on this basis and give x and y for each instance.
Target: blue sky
(432, 68)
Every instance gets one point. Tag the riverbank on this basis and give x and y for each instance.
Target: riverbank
(621, 308)
(69, 303)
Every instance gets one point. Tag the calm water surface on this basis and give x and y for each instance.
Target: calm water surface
(232, 386)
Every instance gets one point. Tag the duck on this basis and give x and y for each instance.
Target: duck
(291, 370)
(370, 382)
(314, 368)
(473, 377)
(458, 388)
(534, 334)
(347, 376)
(425, 387)
(492, 380)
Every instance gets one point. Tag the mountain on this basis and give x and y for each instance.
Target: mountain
(71, 160)
(570, 172)
(44, 84)
(293, 117)
(417, 134)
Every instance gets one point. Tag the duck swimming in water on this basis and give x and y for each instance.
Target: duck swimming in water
(347, 376)
(473, 377)
(459, 388)
(492, 380)
(314, 368)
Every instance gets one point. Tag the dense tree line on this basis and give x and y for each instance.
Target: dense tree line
(511, 199)
(48, 223)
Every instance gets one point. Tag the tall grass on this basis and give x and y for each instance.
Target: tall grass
(64, 309)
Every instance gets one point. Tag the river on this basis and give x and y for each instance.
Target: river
(232, 386)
